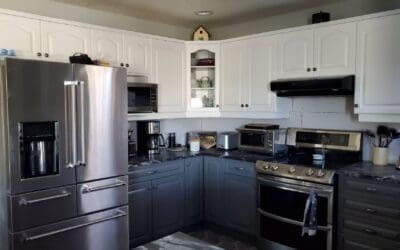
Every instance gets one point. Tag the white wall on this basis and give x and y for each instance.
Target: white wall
(339, 10)
(81, 14)
(313, 112)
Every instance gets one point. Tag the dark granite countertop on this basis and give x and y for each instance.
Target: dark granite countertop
(166, 155)
(367, 170)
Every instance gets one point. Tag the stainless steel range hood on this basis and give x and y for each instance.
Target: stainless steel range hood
(332, 86)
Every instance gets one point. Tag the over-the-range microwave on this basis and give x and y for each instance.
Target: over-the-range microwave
(142, 97)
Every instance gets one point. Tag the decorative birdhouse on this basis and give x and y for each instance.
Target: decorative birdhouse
(201, 34)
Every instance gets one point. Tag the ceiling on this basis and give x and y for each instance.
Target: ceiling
(181, 12)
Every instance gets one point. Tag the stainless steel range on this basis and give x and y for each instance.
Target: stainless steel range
(286, 184)
(63, 156)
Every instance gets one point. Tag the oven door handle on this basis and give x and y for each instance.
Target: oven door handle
(292, 222)
(321, 191)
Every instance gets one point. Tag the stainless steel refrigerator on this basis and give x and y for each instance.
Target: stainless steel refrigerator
(63, 156)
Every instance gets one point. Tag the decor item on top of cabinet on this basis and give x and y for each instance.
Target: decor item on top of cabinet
(380, 143)
(201, 34)
(80, 58)
(320, 17)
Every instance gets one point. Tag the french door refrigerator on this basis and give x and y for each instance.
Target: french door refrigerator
(63, 156)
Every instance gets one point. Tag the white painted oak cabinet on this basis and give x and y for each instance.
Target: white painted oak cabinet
(325, 51)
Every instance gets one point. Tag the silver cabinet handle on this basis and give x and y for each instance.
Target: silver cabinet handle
(371, 189)
(88, 189)
(239, 168)
(25, 201)
(118, 214)
(81, 101)
(137, 191)
(152, 172)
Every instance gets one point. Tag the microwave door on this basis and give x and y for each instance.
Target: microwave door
(102, 136)
(140, 99)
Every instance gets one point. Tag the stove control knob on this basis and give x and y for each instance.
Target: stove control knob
(275, 167)
(291, 170)
(310, 172)
(267, 166)
(320, 173)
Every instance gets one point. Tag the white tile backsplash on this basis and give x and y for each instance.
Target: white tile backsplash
(307, 112)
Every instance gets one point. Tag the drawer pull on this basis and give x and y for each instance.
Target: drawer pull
(152, 172)
(88, 189)
(371, 189)
(138, 191)
(369, 231)
(239, 168)
(370, 210)
(24, 201)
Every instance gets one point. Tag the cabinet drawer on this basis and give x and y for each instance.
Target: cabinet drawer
(373, 229)
(372, 210)
(42, 207)
(100, 195)
(351, 245)
(157, 171)
(368, 241)
(371, 187)
(240, 168)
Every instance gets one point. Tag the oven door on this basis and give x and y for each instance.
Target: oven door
(281, 207)
(142, 98)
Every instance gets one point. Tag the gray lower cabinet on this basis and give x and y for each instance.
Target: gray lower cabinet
(194, 186)
(167, 205)
(213, 193)
(368, 214)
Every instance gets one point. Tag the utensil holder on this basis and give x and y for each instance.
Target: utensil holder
(380, 156)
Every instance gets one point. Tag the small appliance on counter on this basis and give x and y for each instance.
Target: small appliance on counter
(263, 138)
(227, 140)
(208, 139)
(149, 138)
(132, 145)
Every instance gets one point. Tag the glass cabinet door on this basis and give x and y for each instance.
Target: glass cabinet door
(202, 79)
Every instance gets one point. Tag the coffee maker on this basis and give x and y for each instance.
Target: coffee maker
(149, 138)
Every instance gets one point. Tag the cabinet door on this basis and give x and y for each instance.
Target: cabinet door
(193, 190)
(262, 71)
(167, 205)
(335, 50)
(60, 41)
(140, 215)
(378, 60)
(295, 54)
(168, 60)
(213, 180)
(107, 46)
(137, 54)
(234, 75)
(240, 203)
(20, 34)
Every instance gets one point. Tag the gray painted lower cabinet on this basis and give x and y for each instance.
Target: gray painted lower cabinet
(194, 186)
(213, 184)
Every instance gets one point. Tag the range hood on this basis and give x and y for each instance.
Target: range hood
(332, 86)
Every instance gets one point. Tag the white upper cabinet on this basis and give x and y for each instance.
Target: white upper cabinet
(378, 66)
(334, 50)
(262, 62)
(168, 60)
(107, 46)
(295, 54)
(60, 41)
(137, 54)
(234, 64)
(20, 34)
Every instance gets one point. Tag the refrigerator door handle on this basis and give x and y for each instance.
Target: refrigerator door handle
(81, 101)
(71, 134)
(119, 213)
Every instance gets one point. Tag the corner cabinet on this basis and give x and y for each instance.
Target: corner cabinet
(168, 59)
(378, 72)
(202, 77)
(325, 51)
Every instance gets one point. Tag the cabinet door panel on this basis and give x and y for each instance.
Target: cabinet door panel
(262, 72)
(140, 215)
(213, 178)
(137, 54)
(378, 71)
(168, 71)
(167, 205)
(295, 54)
(234, 74)
(107, 46)
(193, 190)
(20, 34)
(334, 49)
(61, 41)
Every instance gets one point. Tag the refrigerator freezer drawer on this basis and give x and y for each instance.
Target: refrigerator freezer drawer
(100, 231)
(99, 195)
(42, 207)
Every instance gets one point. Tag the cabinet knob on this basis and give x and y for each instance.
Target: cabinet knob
(39, 54)
(308, 69)
(314, 69)
(247, 105)
(46, 54)
(217, 105)
(241, 105)
(356, 105)
(127, 65)
(122, 64)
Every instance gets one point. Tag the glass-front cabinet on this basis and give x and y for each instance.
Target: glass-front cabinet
(203, 61)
